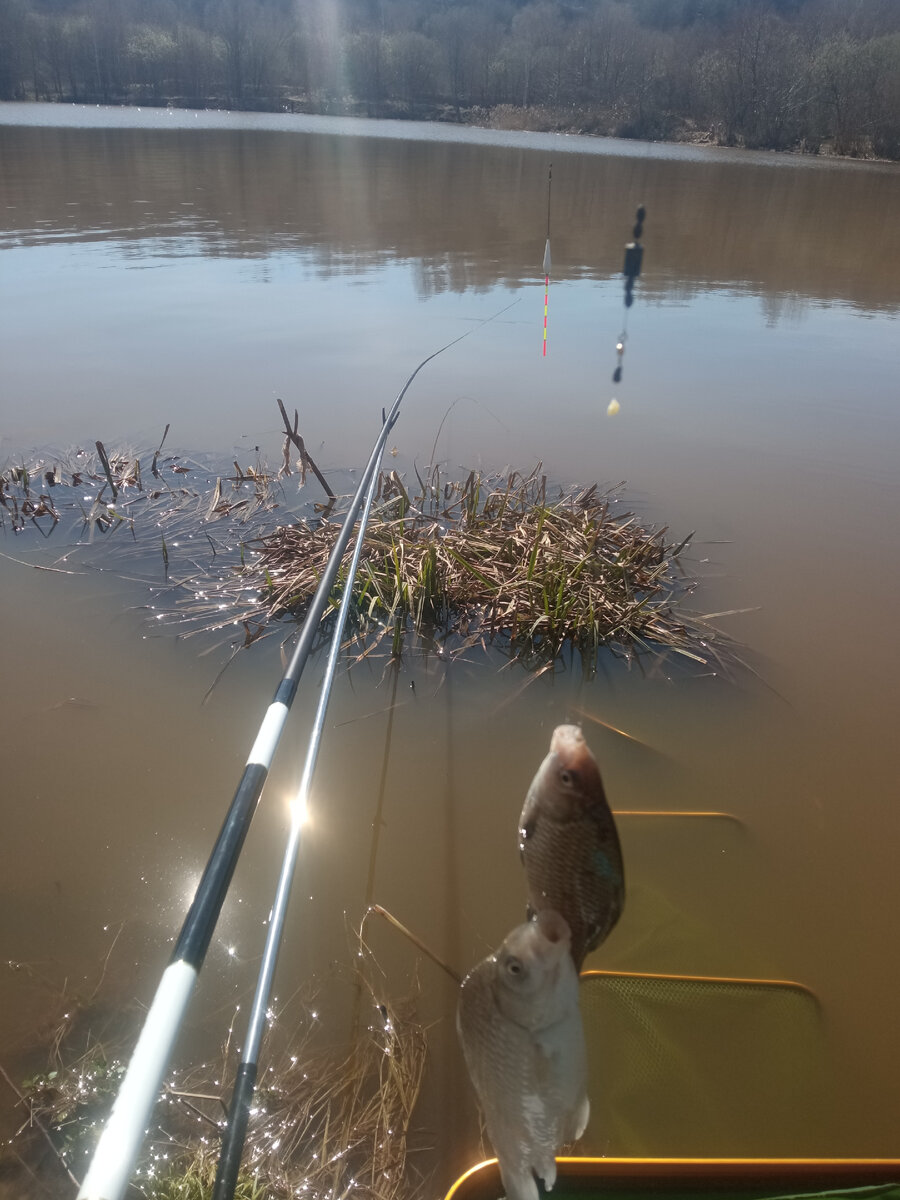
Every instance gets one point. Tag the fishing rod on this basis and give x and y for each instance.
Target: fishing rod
(120, 1142)
(119, 1145)
(245, 1079)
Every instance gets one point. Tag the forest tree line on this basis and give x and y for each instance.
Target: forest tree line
(775, 74)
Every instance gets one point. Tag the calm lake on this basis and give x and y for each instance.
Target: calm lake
(165, 267)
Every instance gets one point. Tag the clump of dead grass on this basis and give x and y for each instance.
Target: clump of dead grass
(104, 491)
(329, 1119)
(497, 560)
(326, 1122)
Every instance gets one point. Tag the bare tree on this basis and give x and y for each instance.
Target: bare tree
(413, 61)
(775, 73)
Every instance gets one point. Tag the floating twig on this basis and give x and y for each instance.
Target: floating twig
(153, 468)
(106, 467)
(416, 941)
(292, 435)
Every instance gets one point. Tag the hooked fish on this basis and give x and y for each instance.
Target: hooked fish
(569, 843)
(523, 1042)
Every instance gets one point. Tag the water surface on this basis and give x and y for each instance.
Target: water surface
(164, 267)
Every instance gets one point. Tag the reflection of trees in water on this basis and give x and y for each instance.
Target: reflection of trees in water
(468, 217)
(776, 306)
(779, 307)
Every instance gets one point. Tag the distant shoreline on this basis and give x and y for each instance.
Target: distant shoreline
(502, 118)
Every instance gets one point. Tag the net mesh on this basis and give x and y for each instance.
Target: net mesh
(682, 1066)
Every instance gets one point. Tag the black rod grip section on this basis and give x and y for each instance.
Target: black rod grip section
(235, 1132)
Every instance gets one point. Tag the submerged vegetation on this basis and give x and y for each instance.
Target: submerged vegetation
(500, 561)
(332, 1114)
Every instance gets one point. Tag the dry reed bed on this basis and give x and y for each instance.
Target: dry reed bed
(495, 559)
(328, 1120)
(112, 490)
(490, 560)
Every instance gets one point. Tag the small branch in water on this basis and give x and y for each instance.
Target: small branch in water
(374, 713)
(112, 947)
(106, 467)
(583, 712)
(182, 1098)
(153, 467)
(292, 435)
(25, 1167)
(407, 933)
(39, 566)
(41, 1126)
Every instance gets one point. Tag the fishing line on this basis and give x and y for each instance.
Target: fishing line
(117, 1150)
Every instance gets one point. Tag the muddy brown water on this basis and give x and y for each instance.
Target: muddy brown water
(163, 267)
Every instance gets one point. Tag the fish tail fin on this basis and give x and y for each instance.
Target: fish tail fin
(580, 1119)
(519, 1182)
(547, 1172)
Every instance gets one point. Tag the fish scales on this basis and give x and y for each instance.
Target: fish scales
(570, 845)
(523, 1042)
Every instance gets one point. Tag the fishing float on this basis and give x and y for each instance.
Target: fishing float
(117, 1150)
(634, 256)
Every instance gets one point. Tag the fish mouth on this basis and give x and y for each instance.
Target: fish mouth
(574, 765)
(553, 926)
(566, 737)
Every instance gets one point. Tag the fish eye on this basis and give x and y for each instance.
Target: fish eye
(566, 777)
(514, 966)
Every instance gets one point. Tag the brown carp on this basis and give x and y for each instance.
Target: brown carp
(569, 843)
(521, 1033)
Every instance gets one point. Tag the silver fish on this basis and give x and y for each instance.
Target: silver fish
(569, 843)
(523, 1041)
